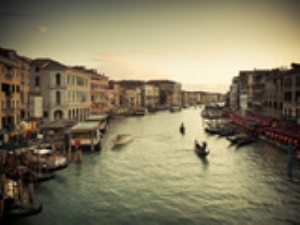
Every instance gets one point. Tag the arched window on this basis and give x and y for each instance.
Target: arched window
(58, 97)
(58, 79)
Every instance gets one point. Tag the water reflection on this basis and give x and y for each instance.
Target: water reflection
(158, 178)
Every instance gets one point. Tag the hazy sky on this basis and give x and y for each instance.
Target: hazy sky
(201, 44)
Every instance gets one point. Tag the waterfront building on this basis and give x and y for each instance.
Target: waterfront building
(131, 92)
(150, 95)
(244, 92)
(170, 91)
(259, 87)
(273, 94)
(234, 94)
(131, 97)
(184, 98)
(114, 92)
(65, 90)
(291, 94)
(14, 83)
(99, 93)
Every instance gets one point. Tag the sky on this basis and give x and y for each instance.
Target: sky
(202, 44)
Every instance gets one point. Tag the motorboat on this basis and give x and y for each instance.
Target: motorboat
(121, 139)
(46, 159)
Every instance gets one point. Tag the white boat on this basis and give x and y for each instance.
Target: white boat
(175, 108)
(47, 159)
(122, 139)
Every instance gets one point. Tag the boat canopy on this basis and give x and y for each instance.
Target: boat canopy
(85, 127)
(99, 117)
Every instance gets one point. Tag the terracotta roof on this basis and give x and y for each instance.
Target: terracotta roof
(46, 63)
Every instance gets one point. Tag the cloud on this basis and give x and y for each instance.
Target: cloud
(127, 65)
(9, 14)
(42, 29)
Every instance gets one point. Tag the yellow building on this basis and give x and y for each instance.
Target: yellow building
(14, 84)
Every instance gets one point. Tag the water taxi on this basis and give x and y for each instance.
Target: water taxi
(121, 139)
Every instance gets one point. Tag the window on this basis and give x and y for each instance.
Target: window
(37, 69)
(80, 81)
(287, 82)
(297, 80)
(58, 97)
(37, 81)
(297, 97)
(58, 79)
(288, 96)
(45, 114)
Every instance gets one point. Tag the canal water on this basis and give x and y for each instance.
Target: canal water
(158, 179)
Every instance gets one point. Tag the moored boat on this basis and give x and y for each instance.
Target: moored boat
(30, 176)
(175, 108)
(47, 159)
(13, 210)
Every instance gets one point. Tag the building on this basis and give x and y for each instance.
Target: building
(114, 92)
(65, 90)
(99, 93)
(170, 92)
(150, 96)
(234, 94)
(14, 83)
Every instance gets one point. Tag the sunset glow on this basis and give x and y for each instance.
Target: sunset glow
(201, 44)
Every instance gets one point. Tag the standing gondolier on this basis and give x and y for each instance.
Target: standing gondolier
(182, 129)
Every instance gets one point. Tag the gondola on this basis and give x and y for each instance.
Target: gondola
(200, 151)
(30, 176)
(12, 210)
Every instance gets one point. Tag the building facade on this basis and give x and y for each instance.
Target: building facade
(14, 83)
(65, 90)
(99, 93)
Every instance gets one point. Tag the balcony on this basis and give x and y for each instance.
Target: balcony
(56, 104)
(57, 86)
(9, 75)
(9, 94)
(9, 110)
(289, 118)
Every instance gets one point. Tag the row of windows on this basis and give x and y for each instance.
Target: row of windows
(288, 82)
(73, 113)
(79, 81)
(72, 97)
(9, 104)
(10, 70)
(10, 88)
(76, 80)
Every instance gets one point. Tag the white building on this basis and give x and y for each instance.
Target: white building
(65, 90)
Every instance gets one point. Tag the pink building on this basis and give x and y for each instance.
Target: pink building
(99, 93)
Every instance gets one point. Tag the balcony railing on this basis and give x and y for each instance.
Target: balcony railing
(57, 86)
(9, 94)
(288, 118)
(9, 75)
(9, 109)
(56, 104)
